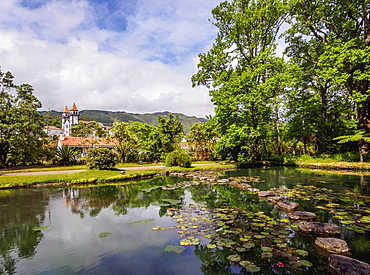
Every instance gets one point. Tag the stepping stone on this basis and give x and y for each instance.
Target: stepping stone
(302, 215)
(203, 178)
(332, 245)
(254, 190)
(319, 228)
(223, 181)
(180, 175)
(266, 193)
(189, 176)
(287, 205)
(343, 265)
(275, 199)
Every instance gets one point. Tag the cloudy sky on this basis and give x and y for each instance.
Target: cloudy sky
(120, 55)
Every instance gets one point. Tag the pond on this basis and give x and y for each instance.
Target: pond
(172, 225)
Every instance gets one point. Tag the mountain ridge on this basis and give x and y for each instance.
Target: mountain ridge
(109, 117)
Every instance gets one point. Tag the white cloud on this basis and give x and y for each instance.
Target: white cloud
(62, 49)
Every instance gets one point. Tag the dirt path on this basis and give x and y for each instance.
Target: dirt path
(76, 171)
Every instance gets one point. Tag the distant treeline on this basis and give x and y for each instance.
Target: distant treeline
(109, 117)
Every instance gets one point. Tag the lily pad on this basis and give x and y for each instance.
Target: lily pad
(266, 255)
(211, 246)
(104, 234)
(172, 201)
(245, 263)
(38, 229)
(233, 258)
(240, 249)
(301, 252)
(252, 268)
(266, 248)
(140, 222)
(249, 245)
(306, 263)
(174, 248)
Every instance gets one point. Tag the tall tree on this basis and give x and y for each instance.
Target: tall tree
(170, 133)
(202, 141)
(243, 72)
(21, 127)
(126, 147)
(334, 36)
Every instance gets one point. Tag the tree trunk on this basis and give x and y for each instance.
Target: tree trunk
(277, 127)
(324, 106)
(363, 148)
(4, 148)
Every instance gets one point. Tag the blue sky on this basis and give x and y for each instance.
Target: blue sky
(124, 55)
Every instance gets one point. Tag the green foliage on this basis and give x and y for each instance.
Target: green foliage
(329, 41)
(178, 158)
(126, 148)
(347, 156)
(101, 159)
(244, 73)
(21, 134)
(357, 136)
(202, 141)
(108, 118)
(170, 132)
(66, 155)
(91, 129)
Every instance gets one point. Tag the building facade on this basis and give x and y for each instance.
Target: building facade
(69, 119)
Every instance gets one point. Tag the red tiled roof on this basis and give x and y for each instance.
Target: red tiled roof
(50, 127)
(87, 142)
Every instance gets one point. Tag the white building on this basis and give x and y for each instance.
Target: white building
(69, 119)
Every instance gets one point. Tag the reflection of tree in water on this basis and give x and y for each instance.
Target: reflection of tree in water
(213, 260)
(121, 197)
(364, 184)
(217, 195)
(90, 200)
(22, 211)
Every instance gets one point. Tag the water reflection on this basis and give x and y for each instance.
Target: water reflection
(21, 212)
(78, 215)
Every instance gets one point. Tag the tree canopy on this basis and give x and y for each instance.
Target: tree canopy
(268, 104)
(21, 127)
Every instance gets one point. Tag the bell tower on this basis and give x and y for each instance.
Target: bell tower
(66, 123)
(75, 114)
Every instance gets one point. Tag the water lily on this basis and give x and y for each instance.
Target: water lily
(280, 264)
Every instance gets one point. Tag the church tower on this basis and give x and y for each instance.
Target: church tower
(66, 123)
(69, 119)
(74, 114)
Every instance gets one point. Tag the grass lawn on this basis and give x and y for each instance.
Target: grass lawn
(9, 181)
(331, 164)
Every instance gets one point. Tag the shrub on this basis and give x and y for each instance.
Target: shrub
(101, 158)
(66, 155)
(347, 156)
(178, 158)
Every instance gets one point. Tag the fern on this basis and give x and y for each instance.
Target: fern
(358, 135)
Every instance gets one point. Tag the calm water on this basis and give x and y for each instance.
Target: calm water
(76, 217)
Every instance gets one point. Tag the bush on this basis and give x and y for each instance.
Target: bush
(178, 158)
(347, 156)
(101, 158)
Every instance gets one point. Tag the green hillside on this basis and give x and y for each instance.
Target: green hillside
(108, 117)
